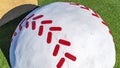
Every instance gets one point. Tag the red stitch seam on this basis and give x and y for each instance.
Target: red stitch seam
(20, 27)
(83, 7)
(70, 56)
(60, 63)
(56, 49)
(30, 16)
(95, 14)
(55, 28)
(110, 32)
(27, 24)
(40, 30)
(104, 23)
(46, 22)
(64, 42)
(14, 33)
(33, 25)
(22, 21)
(49, 37)
(38, 17)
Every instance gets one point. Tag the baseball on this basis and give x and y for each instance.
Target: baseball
(62, 35)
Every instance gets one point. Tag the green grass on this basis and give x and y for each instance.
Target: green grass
(3, 62)
(109, 10)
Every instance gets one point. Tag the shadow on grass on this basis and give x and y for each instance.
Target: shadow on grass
(6, 32)
(16, 12)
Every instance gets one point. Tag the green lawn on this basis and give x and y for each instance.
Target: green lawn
(109, 10)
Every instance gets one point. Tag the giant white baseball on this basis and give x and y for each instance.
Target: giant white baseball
(62, 35)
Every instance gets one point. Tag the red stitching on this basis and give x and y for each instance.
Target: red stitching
(27, 24)
(84, 7)
(40, 30)
(64, 42)
(15, 33)
(70, 56)
(33, 25)
(38, 17)
(49, 37)
(56, 49)
(55, 28)
(41, 27)
(46, 22)
(110, 32)
(22, 21)
(30, 16)
(20, 26)
(60, 63)
(104, 23)
(71, 3)
(95, 14)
